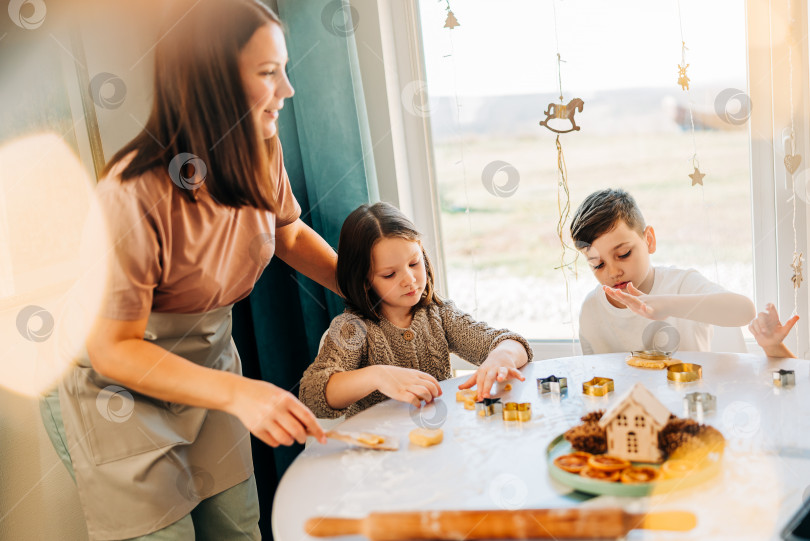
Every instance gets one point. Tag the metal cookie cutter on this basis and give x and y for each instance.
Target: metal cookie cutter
(552, 384)
(784, 378)
(699, 404)
(513, 411)
(684, 372)
(486, 407)
(652, 355)
(598, 386)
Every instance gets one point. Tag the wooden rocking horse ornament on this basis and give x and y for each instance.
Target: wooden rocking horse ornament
(559, 110)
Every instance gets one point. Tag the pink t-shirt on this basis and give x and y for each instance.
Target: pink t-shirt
(178, 256)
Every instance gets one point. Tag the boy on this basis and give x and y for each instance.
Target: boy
(609, 230)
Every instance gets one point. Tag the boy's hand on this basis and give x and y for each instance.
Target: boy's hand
(498, 366)
(406, 384)
(767, 328)
(649, 306)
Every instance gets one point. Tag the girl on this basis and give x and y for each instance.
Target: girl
(395, 338)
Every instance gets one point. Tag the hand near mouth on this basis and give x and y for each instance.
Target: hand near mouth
(636, 301)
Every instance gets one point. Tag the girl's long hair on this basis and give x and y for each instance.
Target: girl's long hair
(362, 229)
(200, 107)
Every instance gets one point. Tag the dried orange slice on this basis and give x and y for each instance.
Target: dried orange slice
(640, 474)
(675, 469)
(600, 475)
(608, 463)
(573, 462)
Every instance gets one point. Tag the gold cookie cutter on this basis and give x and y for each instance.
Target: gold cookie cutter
(514, 411)
(598, 386)
(486, 407)
(696, 405)
(684, 372)
(784, 378)
(652, 355)
(552, 384)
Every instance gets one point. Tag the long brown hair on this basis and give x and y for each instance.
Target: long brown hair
(366, 225)
(200, 107)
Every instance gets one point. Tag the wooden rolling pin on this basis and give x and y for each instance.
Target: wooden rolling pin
(607, 523)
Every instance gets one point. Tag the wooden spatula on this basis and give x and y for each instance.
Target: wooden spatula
(365, 439)
(606, 523)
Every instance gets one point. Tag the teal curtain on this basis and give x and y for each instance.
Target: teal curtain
(326, 153)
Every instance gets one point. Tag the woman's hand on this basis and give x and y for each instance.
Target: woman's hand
(406, 384)
(499, 366)
(770, 333)
(272, 414)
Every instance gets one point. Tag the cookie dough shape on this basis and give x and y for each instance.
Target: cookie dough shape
(425, 437)
(465, 395)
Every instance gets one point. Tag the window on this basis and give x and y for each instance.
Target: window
(621, 420)
(739, 235)
(490, 80)
(639, 421)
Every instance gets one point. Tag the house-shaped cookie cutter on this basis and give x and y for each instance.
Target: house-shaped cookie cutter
(784, 378)
(699, 404)
(598, 386)
(514, 411)
(684, 372)
(552, 384)
(486, 407)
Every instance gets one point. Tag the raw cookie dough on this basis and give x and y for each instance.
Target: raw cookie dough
(465, 394)
(425, 437)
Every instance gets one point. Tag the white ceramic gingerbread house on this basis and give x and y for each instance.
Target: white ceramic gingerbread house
(632, 425)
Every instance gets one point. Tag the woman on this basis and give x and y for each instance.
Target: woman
(156, 419)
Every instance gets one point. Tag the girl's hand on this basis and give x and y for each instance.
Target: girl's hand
(649, 306)
(498, 366)
(768, 330)
(406, 384)
(272, 414)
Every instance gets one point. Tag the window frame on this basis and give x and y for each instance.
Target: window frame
(391, 56)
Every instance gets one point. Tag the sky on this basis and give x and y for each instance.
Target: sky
(505, 47)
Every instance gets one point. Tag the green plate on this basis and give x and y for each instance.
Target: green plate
(561, 446)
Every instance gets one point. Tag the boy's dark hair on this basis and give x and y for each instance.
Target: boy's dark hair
(601, 212)
(366, 225)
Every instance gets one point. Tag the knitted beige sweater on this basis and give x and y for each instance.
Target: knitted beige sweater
(435, 332)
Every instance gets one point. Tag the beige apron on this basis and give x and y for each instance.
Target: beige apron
(142, 463)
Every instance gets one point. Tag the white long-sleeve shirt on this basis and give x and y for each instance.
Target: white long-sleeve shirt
(603, 328)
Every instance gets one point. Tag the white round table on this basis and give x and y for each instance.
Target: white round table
(485, 463)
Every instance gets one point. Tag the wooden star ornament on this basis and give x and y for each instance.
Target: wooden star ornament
(697, 177)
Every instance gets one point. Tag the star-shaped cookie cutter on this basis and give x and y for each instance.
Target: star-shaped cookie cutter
(598, 386)
(552, 384)
(784, 378)
(514, 411)
(486, 407)
(699, 404)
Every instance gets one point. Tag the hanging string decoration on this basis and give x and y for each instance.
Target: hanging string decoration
(792, 162)
(696, 176)
(683, 81)
(451, 21)
(561, 112)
